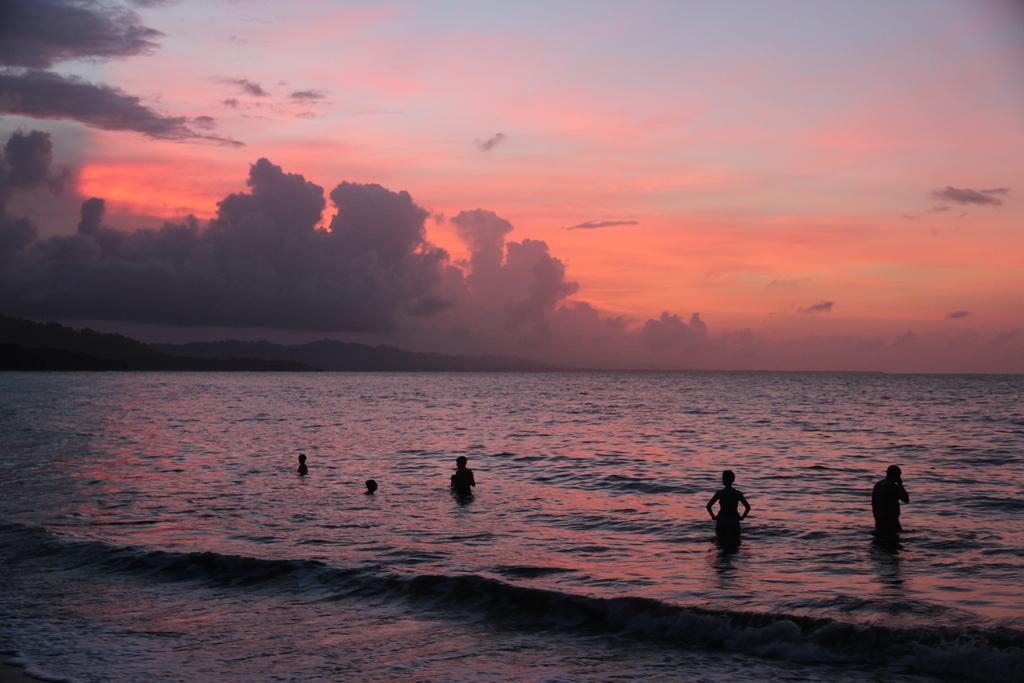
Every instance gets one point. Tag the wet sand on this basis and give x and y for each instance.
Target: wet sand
(14, 674)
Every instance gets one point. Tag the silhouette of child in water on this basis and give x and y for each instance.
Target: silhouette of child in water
(462, 481)
(303, 470)
(727, 522)
(371, 487)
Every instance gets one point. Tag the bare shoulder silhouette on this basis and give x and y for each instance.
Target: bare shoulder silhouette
(727, 521)
(462, 482)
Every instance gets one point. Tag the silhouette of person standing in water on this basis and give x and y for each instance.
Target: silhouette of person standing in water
(885, 501)
(462, 481)
(727, 522)
(303, 470)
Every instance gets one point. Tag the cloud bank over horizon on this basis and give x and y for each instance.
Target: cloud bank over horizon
(270, 259)
(264, 261)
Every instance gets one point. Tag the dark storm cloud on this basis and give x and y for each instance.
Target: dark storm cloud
(957, 315)
(963, 195)
(592, 225)
(248, 87)
(15, 235)
(530, 262)
(262, 261)
(672, 332)
(40, 33)
(820, 307)
(308, 95)
(26, 163)
(491, 142)
(520, 283)
(484, 233)
(91, 216)
(266, 261)
(430, 305)
(47, 95)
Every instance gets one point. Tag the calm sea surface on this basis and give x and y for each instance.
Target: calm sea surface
(152, 527)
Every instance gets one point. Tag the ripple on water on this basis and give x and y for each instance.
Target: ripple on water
(618, 492)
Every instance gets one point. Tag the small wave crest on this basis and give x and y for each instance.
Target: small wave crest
(530, 572)
(17, 660)
(969, 653)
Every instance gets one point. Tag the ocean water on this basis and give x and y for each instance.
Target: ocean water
(152, 527)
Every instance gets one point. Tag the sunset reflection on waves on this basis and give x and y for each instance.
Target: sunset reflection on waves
(588, 484)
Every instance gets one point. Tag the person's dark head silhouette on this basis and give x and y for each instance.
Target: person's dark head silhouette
(727, 521)
(302, 464)
(885, 501)
(462, 481)
(371, 486)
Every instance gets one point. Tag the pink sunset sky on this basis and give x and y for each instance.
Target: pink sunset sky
(827, 185)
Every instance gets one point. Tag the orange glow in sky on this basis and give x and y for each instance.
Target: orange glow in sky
(746, 163)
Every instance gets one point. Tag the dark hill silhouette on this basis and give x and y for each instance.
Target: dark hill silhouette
(28, 345)
(328, 354)
(14, 357)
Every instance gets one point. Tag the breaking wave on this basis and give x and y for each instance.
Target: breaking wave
(971, 653)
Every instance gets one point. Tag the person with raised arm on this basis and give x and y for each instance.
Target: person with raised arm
(885, 501)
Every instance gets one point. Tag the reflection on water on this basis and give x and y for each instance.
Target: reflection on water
(603, 474)
(885, 555)
(724, 564)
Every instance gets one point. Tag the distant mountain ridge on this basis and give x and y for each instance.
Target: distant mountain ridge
(339, 356)
(30, 345)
